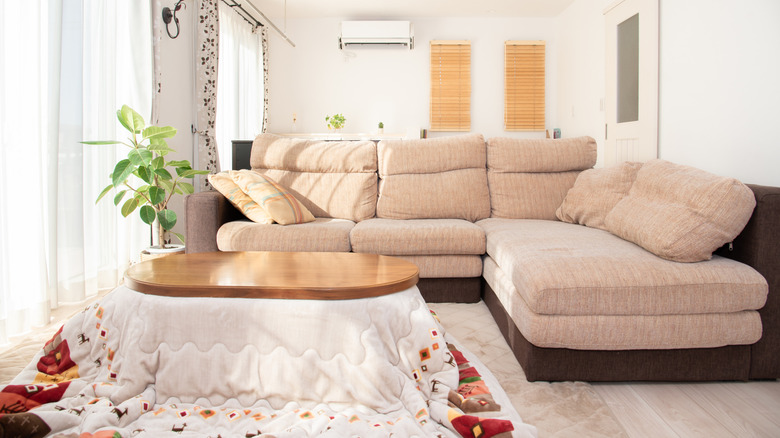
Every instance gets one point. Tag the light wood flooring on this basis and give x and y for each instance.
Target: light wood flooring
(713, 410)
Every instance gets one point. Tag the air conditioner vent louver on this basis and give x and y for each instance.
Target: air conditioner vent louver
(376, 33)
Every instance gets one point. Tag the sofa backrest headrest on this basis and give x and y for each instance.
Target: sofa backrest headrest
(529, 178)
(433, 178)
(332, 179)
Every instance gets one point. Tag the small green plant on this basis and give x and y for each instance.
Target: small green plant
(156, 185)
(381, 125)
(335, 121)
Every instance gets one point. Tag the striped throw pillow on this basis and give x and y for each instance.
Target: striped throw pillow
(224, 184)
(275, 199)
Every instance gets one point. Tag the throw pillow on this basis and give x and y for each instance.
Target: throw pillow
(275, 199)
(681, 213)
(224, 184)
(595, 193)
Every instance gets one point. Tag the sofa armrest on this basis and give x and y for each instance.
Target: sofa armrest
(759, 246)
(205, 213)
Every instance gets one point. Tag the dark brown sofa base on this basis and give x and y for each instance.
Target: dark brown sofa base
(451, 290)
(557, 364)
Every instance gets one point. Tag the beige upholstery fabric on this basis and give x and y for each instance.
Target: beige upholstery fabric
(528, 195)
(400, 157)
(446, 266)
(595, 194)
(433, 179)
(224, 184)
(322, 235)
(340, 195)
(681, 213)
(529, 179)
(331, 179)
(417, 237)
(271, 151)
(622, 332)
(540, 155)
(565, 269)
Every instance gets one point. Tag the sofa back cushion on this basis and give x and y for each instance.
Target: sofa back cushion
(529, 178)
(441, 178)
(331, 179)
(681, 213)
(595, 194)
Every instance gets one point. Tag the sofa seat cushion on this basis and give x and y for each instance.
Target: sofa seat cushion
(433, 178)
(565, 269)
(418, 237)
(321, 235)
(622, 332)
(446, 266)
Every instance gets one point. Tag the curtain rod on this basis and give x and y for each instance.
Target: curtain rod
(271, 23)
(243, 13)
(236, 4)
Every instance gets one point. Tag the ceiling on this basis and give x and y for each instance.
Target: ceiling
(407, 9)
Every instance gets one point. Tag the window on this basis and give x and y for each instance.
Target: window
(450, 85)
(524, 86)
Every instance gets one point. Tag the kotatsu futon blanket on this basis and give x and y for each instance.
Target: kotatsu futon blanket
(151, 366)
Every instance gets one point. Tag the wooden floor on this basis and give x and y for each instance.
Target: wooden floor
(712, 410)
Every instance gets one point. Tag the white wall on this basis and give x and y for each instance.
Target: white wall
(392, 85)
(177, 94)
(720, 87)
(581, 81)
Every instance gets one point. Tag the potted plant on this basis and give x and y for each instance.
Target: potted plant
(156, 180)
(381, 127)
(335, 121)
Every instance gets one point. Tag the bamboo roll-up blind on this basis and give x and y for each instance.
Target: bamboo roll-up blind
(524, 86)
(450, 85)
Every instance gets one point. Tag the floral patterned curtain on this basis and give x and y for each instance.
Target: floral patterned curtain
(206, 84)
(265, 78)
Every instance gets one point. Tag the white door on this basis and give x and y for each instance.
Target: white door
(631, 106)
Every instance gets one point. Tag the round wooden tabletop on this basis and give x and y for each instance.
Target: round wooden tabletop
(288, 275)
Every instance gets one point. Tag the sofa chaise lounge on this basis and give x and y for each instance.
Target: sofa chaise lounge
(591, 274)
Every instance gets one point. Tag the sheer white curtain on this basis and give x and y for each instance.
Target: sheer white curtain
(67, 65)
(239, 83)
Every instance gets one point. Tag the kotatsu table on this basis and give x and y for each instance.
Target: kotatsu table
(283, 344)
(288, 275)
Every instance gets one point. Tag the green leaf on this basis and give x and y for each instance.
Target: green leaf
(158, 163)
(103, 193)
(133, 121)
(140, 157)
(124, 168)
(146, 174)
(189, 173)
(179, 236)
(156, 195)
(187, 188)
(119, 196)
(160, 147)
(167, 218)
(159, 132)
(148, 214)
(164, 174)
(180, 170)
(129, 206)
(166, 184)
(180, 163)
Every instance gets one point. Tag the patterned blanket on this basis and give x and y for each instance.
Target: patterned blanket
(149, 366)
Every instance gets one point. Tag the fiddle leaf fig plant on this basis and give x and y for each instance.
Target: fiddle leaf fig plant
(157, 180)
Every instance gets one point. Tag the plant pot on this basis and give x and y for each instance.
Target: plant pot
(156, 252)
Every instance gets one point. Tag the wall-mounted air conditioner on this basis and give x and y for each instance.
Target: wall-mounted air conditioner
(376, 33)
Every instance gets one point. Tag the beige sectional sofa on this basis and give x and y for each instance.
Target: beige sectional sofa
(582, 298)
